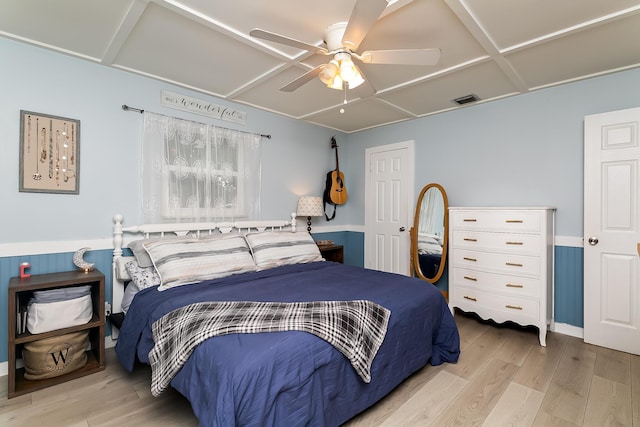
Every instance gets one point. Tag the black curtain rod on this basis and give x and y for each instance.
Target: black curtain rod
(125, 107)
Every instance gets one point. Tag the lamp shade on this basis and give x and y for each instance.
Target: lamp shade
(310, 206)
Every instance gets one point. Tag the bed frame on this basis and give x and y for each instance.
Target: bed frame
(195, 229)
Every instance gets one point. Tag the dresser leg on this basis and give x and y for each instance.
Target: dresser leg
(543, 337)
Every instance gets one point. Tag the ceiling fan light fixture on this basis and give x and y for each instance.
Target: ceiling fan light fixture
(348, 69)
(329, 72)
(356, 81)
(339, 70)
(336, 83)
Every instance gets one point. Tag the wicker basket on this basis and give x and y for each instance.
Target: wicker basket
(55, 356)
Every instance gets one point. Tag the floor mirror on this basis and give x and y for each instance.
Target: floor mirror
(429, 234)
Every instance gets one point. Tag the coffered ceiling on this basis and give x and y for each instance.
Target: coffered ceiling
(489, 48)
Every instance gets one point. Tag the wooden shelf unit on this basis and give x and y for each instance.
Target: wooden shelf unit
(20, 291)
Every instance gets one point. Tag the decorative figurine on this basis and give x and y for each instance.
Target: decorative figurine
(23, 269)
(79, 261)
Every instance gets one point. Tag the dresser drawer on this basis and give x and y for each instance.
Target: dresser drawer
(508, 285)
(496, 262)
(516, 309)
(492, 220)
(503, 242)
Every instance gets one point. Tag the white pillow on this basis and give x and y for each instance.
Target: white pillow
(127, 298)
(143, 277)
(194, 260)
(139, 278)
(140, 253)
(276, 248)
(121, 270)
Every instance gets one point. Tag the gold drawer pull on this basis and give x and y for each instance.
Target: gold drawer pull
(515, 243)
(469, 239)
(514, 307)
(471, 278)
(470, 298)
(513, 264)
(513, 285)
(469, 220)
(514, 221)
(470, 259)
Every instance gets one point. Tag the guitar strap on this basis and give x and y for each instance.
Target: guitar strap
(326, 199)
(335, 208)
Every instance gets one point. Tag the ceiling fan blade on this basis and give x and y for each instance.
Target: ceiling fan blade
(366, 89)
(402, 56)
(365, 13)
(273, 37)
(305, 78)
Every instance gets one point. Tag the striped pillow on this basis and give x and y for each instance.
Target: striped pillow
(276, 248)
(194, 260)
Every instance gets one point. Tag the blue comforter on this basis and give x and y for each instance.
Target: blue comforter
(295, 378)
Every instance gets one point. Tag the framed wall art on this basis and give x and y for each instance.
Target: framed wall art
(49, 153)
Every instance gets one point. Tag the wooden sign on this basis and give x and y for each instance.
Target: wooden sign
(205, 108)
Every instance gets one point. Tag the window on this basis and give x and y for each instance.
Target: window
(198, 172)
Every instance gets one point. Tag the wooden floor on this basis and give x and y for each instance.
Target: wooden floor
(503, 378)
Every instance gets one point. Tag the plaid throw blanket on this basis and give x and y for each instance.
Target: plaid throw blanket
(355, 328)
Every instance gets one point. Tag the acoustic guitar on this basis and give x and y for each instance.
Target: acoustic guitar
(337, 191)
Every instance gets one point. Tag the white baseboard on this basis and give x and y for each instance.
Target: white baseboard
(566, 329)
(109, 342)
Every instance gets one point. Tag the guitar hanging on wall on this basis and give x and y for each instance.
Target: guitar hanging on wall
(335, 192)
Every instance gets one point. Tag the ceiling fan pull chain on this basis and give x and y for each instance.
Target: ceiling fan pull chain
(344, 88)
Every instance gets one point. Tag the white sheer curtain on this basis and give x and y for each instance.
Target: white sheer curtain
(194, 172)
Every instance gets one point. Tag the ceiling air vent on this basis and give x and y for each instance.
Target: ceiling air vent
(466, 99)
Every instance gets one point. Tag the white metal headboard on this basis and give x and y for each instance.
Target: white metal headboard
(195, 230)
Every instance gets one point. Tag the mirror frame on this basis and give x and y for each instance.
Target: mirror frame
(415, 262)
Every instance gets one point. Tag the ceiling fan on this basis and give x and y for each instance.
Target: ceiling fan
(342, 41)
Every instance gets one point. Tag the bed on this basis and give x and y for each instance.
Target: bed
(287, 376)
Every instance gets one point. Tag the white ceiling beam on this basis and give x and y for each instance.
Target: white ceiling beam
(473, 26)
(123, 32)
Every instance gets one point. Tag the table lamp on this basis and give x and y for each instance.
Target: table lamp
(309, 206)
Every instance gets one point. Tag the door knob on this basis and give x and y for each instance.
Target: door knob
(402, 228)
(593, 241)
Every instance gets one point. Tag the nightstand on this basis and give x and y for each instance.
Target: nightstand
(333, 253)
(20, 291)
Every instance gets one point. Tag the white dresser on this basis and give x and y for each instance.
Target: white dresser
(501, 264)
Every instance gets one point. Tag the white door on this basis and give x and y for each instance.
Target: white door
(612, 230)
(388, 205)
